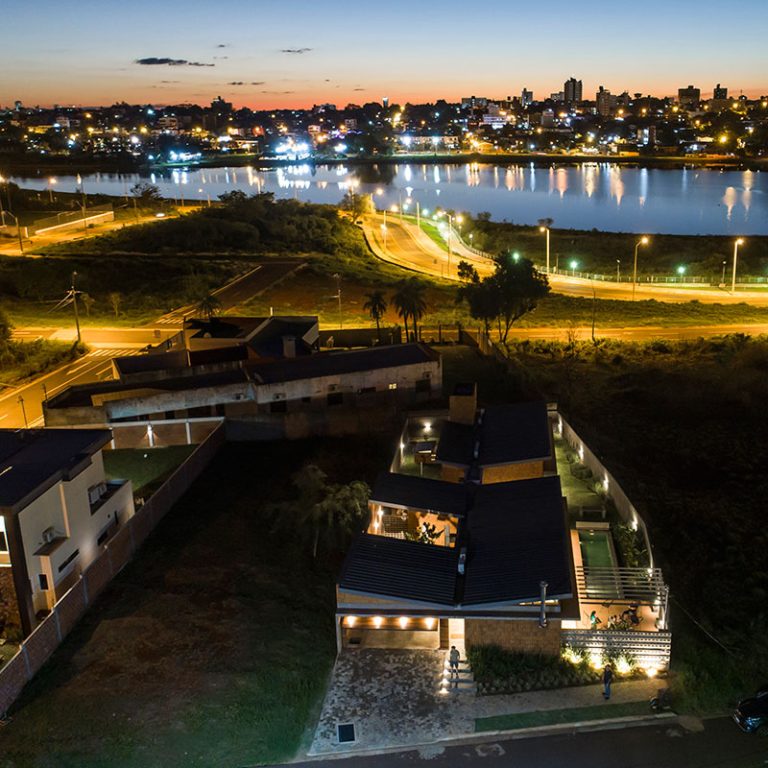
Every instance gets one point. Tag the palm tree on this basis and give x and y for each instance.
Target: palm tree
(410, 303)
(376, 305)
(208, 305)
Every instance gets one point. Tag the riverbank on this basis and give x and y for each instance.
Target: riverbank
(35, 167)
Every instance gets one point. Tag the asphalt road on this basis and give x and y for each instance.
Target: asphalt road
(23, 406)
(719, 744)
(408, 246)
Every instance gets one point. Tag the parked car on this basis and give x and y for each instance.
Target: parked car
(751, 715)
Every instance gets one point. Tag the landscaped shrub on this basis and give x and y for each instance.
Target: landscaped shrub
(631, 545)
(499, 671)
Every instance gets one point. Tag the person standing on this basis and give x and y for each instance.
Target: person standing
(607, 680)
(453, 664)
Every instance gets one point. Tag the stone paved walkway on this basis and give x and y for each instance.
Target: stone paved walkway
(392, 698)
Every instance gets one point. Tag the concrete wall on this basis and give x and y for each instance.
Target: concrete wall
(524, 635)
(48, 635)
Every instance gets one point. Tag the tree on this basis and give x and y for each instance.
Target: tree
(410, 303)
(357, 205)
(519, 286)
(483, 301)
(88, 302)
(115, 300)
(376, 306)
(208, 305)
(146, 194)
(467, 273)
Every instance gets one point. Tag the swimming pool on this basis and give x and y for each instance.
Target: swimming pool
(596, 549)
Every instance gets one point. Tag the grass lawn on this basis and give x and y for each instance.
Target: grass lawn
(148, 468)
(212, 648)
(560, 716)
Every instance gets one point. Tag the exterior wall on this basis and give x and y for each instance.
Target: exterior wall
(507, 472)
(66, 508)
(452, 474)
(524, 636)
(462, 408)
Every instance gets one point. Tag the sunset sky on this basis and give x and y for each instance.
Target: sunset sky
(293, 53)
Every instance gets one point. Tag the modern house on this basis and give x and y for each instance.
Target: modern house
(471, 540)
(57, 512)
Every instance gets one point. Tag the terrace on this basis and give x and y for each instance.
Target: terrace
(417, 453)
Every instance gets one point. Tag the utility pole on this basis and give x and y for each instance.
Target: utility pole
(338, 296)
(23, 411)
(73, 291)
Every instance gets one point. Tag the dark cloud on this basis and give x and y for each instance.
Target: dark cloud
(295, 50)
(221, 57)
(223, 45)
(358, 89)
(259, 82)
(165, 61)
(236, 82)
(166, 82)
(277, 93)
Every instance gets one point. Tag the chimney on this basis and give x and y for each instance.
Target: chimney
(462, 404)
(289, 346)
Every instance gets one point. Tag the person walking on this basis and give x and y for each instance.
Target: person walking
(453, 665)
(607, 680)
(594, 620)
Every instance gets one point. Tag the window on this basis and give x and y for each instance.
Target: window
(335, 398)
(95, 492)
(393, 385)
(69, 560)
(3, 542)
(43, 579)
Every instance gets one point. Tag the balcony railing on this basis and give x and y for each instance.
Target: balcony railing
(607, 584)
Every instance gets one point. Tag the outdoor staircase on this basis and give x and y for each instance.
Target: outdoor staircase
(463, 683)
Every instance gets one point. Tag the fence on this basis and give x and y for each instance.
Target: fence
(650, 650)
(73, 219)
(49, 634)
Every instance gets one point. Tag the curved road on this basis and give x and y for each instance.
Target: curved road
(407, 246)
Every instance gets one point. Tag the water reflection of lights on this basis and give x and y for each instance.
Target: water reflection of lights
(729, 200)
(561, 181)
(616, 185)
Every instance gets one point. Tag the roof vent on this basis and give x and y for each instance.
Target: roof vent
(462, 561)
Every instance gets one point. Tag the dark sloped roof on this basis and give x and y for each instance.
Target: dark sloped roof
(516, 432)
(456, 444)
(334, 363)
(268, 340)
(400, 569)
(420, 493)
(228, 327)
(508, 434)
(162, 361)
(517, 538)
(32, 460)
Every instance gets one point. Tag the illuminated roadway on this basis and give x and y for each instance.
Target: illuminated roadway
(406, 245)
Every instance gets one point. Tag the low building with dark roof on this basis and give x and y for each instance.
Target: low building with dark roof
(184, 405)
(57, 512)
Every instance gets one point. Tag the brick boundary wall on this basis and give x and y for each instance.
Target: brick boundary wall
(35, 651)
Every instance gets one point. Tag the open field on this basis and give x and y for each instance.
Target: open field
(146, 469)
(212, 648)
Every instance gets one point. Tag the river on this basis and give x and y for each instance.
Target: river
(604, 196)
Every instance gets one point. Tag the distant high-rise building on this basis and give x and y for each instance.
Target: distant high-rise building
(689, 97)
(385, 102)
(17, 106)
(527, 98)
(572, 90)
(606, 102)
(720, 92)
(558, 96)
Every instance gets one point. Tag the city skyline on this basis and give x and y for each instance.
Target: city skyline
(256, 55)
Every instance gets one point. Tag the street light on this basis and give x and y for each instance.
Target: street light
(516, 256)
(544, 229)
(644, 240)
(51, 182)
(739, 241)
(722, 279)
(573, 266)
(618, 270)
(681, 272)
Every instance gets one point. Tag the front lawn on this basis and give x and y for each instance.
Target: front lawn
(146, 468)
(212, 648)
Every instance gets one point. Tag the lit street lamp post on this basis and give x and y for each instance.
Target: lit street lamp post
(739, 241)
(18, 232)
(51, 182)
(722, 279)
(618, 270)
(546, 231)
(642, 241)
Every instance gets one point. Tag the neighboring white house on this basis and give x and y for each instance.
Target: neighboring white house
(57, 511)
